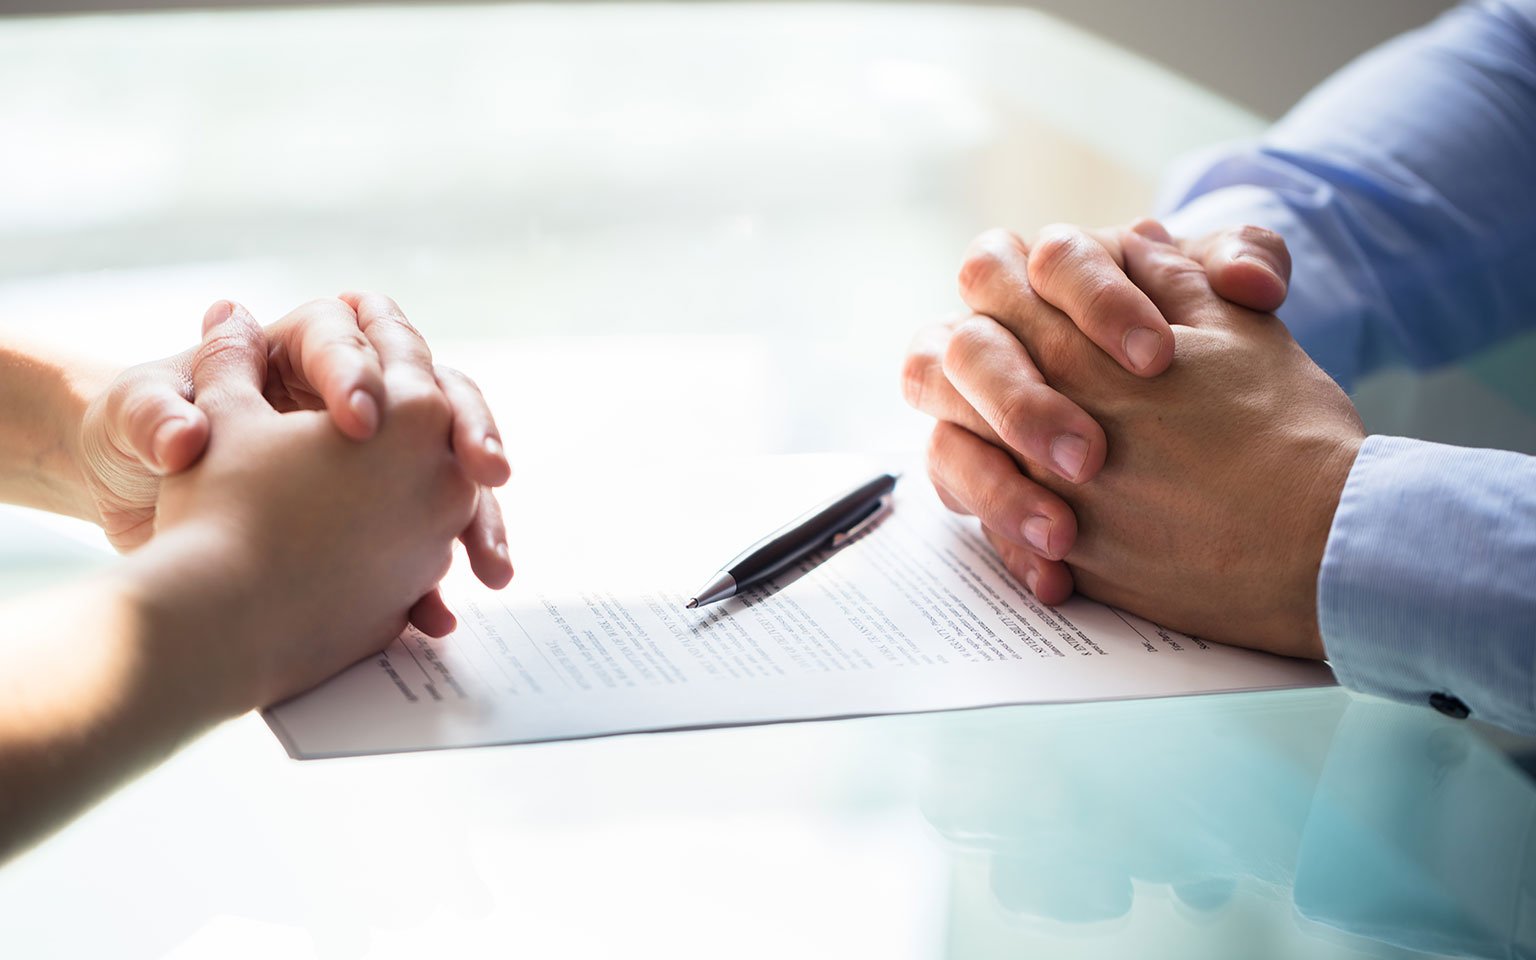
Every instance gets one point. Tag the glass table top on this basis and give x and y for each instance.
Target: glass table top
(614, 216)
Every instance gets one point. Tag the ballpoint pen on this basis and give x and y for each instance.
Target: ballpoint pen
(830, 525)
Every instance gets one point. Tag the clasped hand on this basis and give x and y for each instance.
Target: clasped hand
(230, 436)
(1127, 418)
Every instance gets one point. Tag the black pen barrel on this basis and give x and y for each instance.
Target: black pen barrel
(809, 532)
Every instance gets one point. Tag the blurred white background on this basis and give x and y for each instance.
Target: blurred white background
(1260, 53)
(738, 212)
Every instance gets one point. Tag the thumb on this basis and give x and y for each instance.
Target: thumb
(229, 369)
(148, 414)
(1249, 265)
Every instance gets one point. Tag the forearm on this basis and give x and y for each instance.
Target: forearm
(1403, 187)
(42, 401)
(105, 678)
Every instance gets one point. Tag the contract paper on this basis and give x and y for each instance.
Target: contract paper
(593, 637)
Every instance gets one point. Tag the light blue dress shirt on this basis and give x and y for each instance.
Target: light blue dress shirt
(1405, 187)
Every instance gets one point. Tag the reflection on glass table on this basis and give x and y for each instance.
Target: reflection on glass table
(1390, 831)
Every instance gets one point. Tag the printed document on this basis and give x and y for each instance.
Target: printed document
(592, 638)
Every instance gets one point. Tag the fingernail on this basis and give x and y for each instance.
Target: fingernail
(1037, 533)
(501, 551)
(1069, 452)
(1256, 261)
(1031, 578)
(217, 314)
(160, 446)
(366, 408)
(1142, 345)
(493, 447)
(1153, 230)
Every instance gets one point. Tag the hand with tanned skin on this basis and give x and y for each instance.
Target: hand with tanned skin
(1217, 477)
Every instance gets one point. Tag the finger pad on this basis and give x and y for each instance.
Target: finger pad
(185, 447)
(1249, 285)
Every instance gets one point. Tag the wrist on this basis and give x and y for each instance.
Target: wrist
(42, 406)
(81, 386)
(190, 590)
(135, 663)
(1321, 499)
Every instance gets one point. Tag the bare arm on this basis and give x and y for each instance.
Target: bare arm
(103, 678)
(268, 573)
(42, 400)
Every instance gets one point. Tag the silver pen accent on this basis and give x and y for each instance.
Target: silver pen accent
(830, 526)
(723, 586)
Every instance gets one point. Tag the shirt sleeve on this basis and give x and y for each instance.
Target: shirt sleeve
(1405, 187)
(1428, 582)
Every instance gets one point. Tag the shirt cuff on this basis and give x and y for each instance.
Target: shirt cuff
(1427, 591)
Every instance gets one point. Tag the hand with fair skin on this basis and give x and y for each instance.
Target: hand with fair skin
(1081, 274)
(107, 440)
(288, 552)
(1211, 508)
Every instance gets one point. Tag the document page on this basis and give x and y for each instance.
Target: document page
(593, 637)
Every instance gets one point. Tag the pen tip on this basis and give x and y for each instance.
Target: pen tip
(693, 603)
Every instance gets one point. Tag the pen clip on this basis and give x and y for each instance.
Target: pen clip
(881, 509)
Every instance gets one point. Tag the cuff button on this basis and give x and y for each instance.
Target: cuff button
(1449, 705)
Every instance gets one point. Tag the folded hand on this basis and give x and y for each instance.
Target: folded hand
(1206, 493)
(146, 424)
(311, 549)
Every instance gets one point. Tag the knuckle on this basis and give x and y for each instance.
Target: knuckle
(939, 442)
(344, 354)
(225, 346)
(141, 408)
(1017, 561)
(950, 503)
(390, 312)
(977, 270)
(1062, 355)
(1152, 229)
(1100, 301)
(327, 305)
(459, 384)
(937, 481)
(915, 371)
(989, 501)
(1178, 270)
(1014, 417)
(1063, 527)
(1259, 236)
(383, 309)
(934, 455)
(983, 507)
(970, 339)
(1055, 248)
(351, 339)
(124, 390)
(1266, 242)
(949, 323)
(1187, 274)
(984, 259)
(400, 320)
(943, 472)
